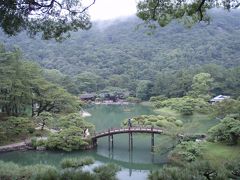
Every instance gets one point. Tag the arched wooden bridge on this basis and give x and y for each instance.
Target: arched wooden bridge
(130, 131)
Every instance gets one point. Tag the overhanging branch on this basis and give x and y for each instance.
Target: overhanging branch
(199, 9)
(155, 9)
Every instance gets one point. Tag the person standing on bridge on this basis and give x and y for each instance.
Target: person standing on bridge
(86, 132)
(129, 123)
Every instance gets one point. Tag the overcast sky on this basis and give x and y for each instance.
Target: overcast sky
(111, 9)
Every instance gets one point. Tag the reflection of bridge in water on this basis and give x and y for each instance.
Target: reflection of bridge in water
(130, 164)
(129, 131)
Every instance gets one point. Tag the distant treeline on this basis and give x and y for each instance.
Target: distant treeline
(121, 56)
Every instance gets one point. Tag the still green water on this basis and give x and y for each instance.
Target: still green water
(135, 165)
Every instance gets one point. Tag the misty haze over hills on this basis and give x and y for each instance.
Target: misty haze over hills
(119, 43)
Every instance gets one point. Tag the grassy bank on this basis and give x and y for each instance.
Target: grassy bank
(196, 123)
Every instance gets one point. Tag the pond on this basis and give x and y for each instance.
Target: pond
(135, 164)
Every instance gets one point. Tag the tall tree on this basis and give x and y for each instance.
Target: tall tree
(144, 90)
(22, 86)
(87, 81)
(52, 98)
(201, 85)
(15, 83)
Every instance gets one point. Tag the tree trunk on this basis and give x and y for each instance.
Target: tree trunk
(234, 139)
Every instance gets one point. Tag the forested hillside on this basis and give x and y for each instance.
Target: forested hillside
(118, 54)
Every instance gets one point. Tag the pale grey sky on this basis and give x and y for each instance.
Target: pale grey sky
(111, 9)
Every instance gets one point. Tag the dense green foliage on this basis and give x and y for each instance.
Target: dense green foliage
(196, 101)
(185, 105)
(51, 18)
(227, 107)
(120, 56)
(22, 86)
(71, 134)
(24, 92)
(39, 171)
(15, 127)
(186, 151)
(164, 12)
(68, 139)
(115, 59)
(201, 86)
(13, 171)
(107, 171)
(198, 170)
(169, 123)
(75, 119)
(75, 163)
(44, 118)
(54, 19)
(228, 130)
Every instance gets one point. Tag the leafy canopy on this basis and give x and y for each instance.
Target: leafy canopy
(53, 18)
(22, 86)
(228, 130)
(189, 12)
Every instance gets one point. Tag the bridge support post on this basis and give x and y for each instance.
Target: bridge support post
(109, 142)
(152, 142)
(112, 140)
(109, 146)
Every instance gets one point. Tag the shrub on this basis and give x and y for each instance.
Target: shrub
(68, 139)
(170, 119)
(18, 125)
(185, 105)
(193, 137)
(75, 120)
(42, 172)
(9, 170)
(76, 174)
(41, 142)
(179, 123)
(186, 109)
(38, 142)
(155, 121)
(186, 151)
(195, 170)
(31, 130)
(38, 134)
(34, 142)
(159, 124)
(148, 123)
(37, 172)
(107, 171)
(228, 130)
(75, 162)
(158, 105)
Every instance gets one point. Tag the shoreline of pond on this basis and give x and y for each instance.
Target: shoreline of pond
(103, 116)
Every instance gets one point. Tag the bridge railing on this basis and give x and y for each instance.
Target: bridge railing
(129, 129)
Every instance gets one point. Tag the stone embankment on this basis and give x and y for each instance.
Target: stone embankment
(16, 146)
